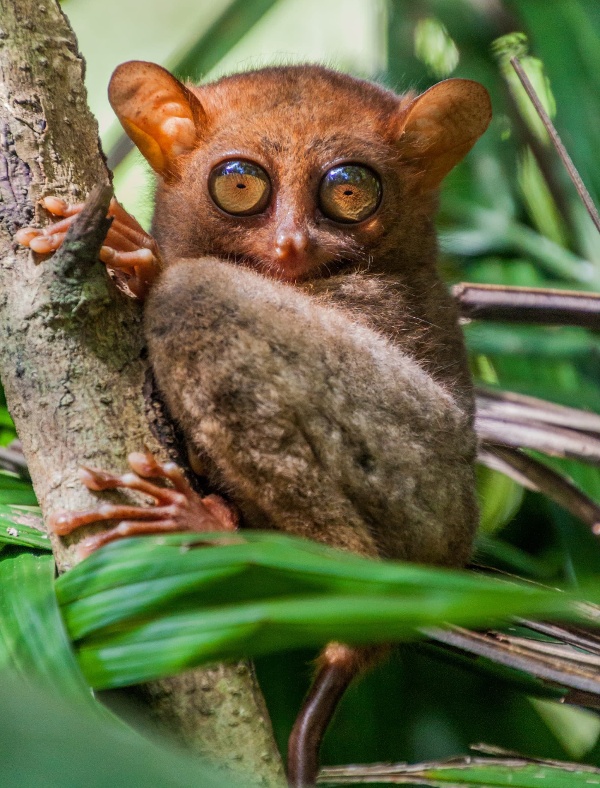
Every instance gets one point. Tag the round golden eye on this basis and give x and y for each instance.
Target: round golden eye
(240, 187)
(349, 193)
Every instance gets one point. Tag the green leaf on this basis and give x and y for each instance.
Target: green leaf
(500, 499)
(15, 491)
(435, 48)
(143, 608)
(48, 741)
(23, 525)
(481, 231)
(33, 640)
(547, 343)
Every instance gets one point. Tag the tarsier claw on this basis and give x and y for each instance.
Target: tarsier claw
(176, 508)
(59, 207)
(129, 253)
(25, 235)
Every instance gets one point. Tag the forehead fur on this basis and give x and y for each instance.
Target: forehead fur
(302, 97)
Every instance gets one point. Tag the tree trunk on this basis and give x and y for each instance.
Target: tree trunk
(71, 358)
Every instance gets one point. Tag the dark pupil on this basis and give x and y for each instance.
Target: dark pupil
(349, 193)
(240, 187)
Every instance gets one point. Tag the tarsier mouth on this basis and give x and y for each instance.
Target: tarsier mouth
(307, 267)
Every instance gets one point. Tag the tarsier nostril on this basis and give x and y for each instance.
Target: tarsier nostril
(291, 244)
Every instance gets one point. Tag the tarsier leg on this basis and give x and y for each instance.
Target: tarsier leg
(338, 665)
(128, 251)
(176, 508)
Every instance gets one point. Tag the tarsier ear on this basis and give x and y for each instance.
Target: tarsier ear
(160, 114)
(441, 126)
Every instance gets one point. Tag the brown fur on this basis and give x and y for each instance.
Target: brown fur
(335, 403)
(316, 368)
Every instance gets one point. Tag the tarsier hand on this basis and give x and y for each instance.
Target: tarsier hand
(128, 252)
(176, 509)
(132, 255)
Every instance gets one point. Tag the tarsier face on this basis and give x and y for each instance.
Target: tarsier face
(298, 171)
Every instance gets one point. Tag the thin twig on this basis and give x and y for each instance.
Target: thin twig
(14, 462)
(573, 635)
(544, 161)
(556, 141)
(545, 438)
(431, 773)
(523, 408)
(536, 476)
(528, 305)
(569, 668)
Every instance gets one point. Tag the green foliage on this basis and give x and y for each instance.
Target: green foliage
(33, 640)
(145, 608)
(51, 740)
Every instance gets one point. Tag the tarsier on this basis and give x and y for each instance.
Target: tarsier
(296, 325)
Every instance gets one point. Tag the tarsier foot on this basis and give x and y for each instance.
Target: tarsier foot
(129, 253)
(177, 508)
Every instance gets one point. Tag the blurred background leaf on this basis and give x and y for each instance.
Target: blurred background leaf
(50, 740)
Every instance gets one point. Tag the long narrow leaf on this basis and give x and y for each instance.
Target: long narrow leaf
(22, 525)
(144, 608)
(33, 640)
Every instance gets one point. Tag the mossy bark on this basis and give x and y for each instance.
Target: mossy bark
(71, 348)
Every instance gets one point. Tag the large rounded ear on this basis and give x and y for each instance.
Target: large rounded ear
(441, 126)
(160, 114)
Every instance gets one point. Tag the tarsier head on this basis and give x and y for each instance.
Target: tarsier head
(296, 171)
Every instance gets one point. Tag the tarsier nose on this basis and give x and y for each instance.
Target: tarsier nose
(290, 244)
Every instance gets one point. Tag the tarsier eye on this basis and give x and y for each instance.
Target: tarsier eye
(349, 193)
(240, 187)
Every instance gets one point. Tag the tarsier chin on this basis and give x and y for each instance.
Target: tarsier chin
(296, 325)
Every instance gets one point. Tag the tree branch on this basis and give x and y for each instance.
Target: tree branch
(71, 346)
(534, 475)
(557, 142)
(528, 305)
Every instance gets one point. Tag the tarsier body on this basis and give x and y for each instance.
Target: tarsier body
(298, 330)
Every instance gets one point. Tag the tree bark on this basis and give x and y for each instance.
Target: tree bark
(71, 349)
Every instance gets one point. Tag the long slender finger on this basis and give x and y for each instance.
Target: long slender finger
(118, 235)
(101, 480)
(136, 238)
(127, 225)
(135, 235)
(44, 244)
(222, 512)
(59, 227)
(139, 258)
(117, 240)
(114, 238)
(25, 235)
(64, 523)
(122, 531)
(146, 465)
(59, 207)
(121, 216)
